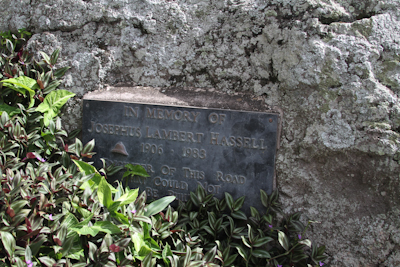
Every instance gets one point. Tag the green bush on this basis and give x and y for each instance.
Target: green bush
(258, 240)
(59, 210)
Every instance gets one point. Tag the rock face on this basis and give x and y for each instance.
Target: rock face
(332, 66)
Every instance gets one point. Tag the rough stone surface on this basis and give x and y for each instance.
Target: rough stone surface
(332, 66)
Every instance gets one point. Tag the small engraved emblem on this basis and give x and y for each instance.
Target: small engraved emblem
(120, 149)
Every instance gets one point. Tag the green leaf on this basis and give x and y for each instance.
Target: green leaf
(218, 224)
(85, 221)
(274, 196)
(87, 230)
(298, 256)
(230, 260)
(69, 221)
(85, 167)
(187, 256)
(78, 147)
(262, 241)
(67, 245)
(229, 200)
(242, 252)
(9, 109)
(158, 205)
(135, 170)
(79, 254)
(306, 242)
(121, 217)
(141, 218)
(100, 226)
(84, 212)
(194, 199)
(88, 169)
(60, 72)
(49, 262)
(173, 260)
(247, 244)
(88, 148)
(52, 86)
(28, 254)
(22, 84)
(239, 215)
(283, 240)
(250, 233)
(211, 220)
(166, 252)
(210, 255)
(8, 242)
(147, 261)
(54, 57)
(52, 104)
(37, 243)
(260, 253)
(254, 212)
(104, 193)
(46, 58)
(92, 251)
(319, 258)
(19, 263)
(114, 206)
(139, 244)
(128, 197)
(18, 205)
(321, 250)
(201, 193)
(10, 46)
(264, 198)
(238, 203)
(208, 229)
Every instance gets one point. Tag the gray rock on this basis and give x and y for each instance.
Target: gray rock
(332, 66)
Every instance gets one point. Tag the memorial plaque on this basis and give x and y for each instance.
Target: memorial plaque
(183, 147)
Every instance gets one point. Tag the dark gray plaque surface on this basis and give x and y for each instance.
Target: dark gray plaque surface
(182, 147)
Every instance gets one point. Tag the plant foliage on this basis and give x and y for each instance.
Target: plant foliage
(258, 240)
(55, 208)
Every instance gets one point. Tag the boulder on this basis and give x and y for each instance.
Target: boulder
(331, 66)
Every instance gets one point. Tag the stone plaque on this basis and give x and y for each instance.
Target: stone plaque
(183, 147)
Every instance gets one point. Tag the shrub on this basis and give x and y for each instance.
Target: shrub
(58, 210)
(258, 240)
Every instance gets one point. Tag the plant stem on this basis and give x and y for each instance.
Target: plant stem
(284, 254)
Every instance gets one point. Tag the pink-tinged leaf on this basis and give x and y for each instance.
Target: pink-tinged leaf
(57, 240)
(86, 156)
(32, 233)
(114, 248)
(176, 231)
(28, 225)
(30, 155)
(32, 201)
(10, 212)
